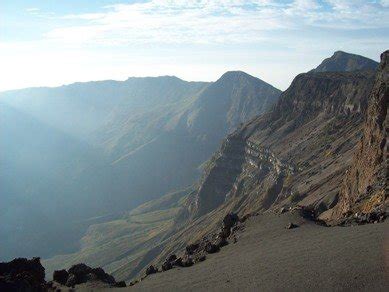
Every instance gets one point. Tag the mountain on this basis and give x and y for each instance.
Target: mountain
(86, 152)
(294, 154)
(318, 158)
(294, 151)
(345, 62)
(235, 98)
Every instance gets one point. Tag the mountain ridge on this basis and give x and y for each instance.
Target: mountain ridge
(342, 61)
(294, 154)
(117, 118)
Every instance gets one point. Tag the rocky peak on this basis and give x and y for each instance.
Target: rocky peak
(234, 98)
(344, 62)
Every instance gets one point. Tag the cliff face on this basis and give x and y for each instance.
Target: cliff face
(296, 154)
(363, 188)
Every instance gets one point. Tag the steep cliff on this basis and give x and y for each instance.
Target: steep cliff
(365, 184)
(296, 154)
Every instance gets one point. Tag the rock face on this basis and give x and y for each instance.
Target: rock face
(342, 61)
(22, 275)
(364, 187)
(295, 154)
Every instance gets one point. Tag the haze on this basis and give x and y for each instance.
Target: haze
(43, 44)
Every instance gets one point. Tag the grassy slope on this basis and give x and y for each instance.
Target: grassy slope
(120, 245)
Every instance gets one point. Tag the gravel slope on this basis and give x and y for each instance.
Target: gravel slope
(269, 257)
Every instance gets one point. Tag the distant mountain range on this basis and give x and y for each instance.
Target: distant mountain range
(294, 153)
(83, 153)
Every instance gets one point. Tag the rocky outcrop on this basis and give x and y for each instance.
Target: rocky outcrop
(342, 61)
(22, 275)
(80, 274)
(363, 193)
(197, 251)
(219, 176)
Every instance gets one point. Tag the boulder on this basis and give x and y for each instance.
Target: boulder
(103, 276)
(201, 258)
(172, 258)
(72, 280)
(291, 226)
(120, 284)
(220, 242)
(61, 276)
(166, 266)
(177, 262)
(191, 248)
(211, 248)
(225, 232)
(91, 277)
(80, 272)
(187, 262)
(151, 270)
(22, 275)
(230, 219)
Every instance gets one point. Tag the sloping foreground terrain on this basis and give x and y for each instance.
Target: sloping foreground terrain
(268, 257)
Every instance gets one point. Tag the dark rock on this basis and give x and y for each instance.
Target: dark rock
(238, 227)
(191, 248)
(291, 226)
(221, 241)
(230, 219)
(22, 275)
(166, 266)
(120, 284)
(172, 258)
(151, 270)
(201, 258)
(61, 276)
(80, 271)
(177, 262)
(91, 277)
(211, 248)
(225, 232)
(72, 280)
(103, 276)
(187, 262)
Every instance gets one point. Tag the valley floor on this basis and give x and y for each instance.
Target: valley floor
(269, 257)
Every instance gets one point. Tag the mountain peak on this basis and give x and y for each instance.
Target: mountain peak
(233, 75)
(342, 61)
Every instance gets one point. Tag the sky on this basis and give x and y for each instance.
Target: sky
(51, 43)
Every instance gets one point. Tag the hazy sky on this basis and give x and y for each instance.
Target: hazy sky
(49, 43)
